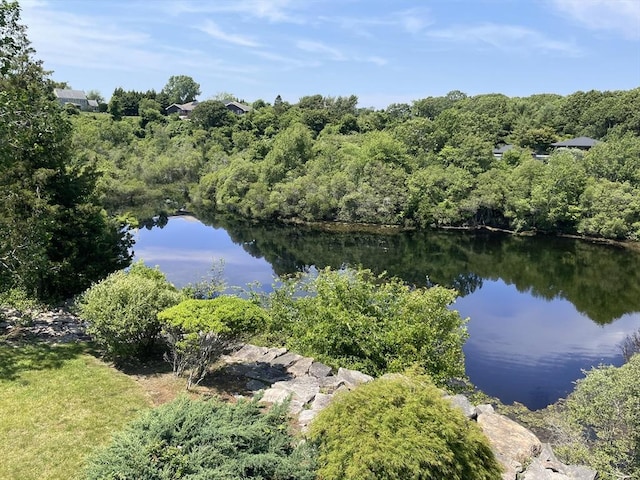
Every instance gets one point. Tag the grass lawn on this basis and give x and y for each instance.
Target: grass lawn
(57, 404)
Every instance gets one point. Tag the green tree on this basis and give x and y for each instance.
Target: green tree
(200, 331)
(399, 428)
(54, 241)
(95, 95)
(194, 439)
(610, 210)
(211, 114)
(122, 310)
(181, 89)
(115, 108)
(150, 111)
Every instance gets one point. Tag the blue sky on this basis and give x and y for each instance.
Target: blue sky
(383, 51)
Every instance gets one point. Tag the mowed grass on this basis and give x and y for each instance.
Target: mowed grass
(57, 404)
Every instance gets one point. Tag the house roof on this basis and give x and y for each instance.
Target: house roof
(242, 107)
(69, 94)
(93, 103)
(187, 107)
(578, 142)
(502, 149)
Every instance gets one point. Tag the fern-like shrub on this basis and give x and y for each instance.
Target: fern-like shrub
(399, 428)
(202, 440)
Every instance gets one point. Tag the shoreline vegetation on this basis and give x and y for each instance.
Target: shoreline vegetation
(432, 163)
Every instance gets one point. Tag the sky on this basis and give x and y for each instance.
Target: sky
(383, 51)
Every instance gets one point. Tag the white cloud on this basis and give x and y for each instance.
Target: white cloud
(321, 48)
(275, 11)
(505, 38)
(619, 16)
(411, 21)
(211, 29)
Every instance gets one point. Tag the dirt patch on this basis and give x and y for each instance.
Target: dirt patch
(161, 385)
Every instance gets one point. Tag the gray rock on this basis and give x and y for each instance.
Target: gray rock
(330, 384)
(547, 467)
(304, 388)
(461, 402)
(262, 372)
(271, 354)
(321, 401)
(286, 359)
(353, 378)
(301, 367)
(248, 353)
(513, 445)
(305, 417)
(484, 408)
(276, 394)
(256, 385)
(319, 370)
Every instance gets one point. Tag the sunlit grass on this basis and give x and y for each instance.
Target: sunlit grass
(57, 404)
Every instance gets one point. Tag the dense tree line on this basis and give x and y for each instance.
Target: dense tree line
(424, 164)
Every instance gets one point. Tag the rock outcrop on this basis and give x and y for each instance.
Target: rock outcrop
(278, 375)
(54, 326)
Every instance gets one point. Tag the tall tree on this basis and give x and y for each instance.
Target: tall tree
(53, 240)
(181, 89)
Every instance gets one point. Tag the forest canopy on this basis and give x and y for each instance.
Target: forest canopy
(430, 163)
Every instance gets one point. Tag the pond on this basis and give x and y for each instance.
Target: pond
(540, 309)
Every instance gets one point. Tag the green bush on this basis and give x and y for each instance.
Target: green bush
(122, 310)
(199, 331)
(374, 324)
(602, 419)
(202, 440)
(400, 428)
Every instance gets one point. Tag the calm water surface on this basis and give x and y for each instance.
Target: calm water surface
(540, 310)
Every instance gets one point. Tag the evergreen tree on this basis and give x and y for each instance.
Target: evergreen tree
(53, 240)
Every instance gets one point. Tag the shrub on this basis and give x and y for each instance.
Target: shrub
(199, 331)
(205, 440)
(371, 323)
(122, 310)
(603, 419)
(399, 427)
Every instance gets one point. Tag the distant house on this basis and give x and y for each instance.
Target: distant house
(75, 97)
(238, 108)
(183, 110)
(583, 143)
(499, 151)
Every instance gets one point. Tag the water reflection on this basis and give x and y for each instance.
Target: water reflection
(530, 300)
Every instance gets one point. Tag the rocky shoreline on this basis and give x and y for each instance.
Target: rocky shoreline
(278, 375)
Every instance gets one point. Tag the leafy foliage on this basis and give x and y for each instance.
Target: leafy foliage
(205, 440)
(355, 319)
(603, 421)
(54, 238)
(181, 89)
(199, 331)
(122, 310)
(423, 164)
(399, 428)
